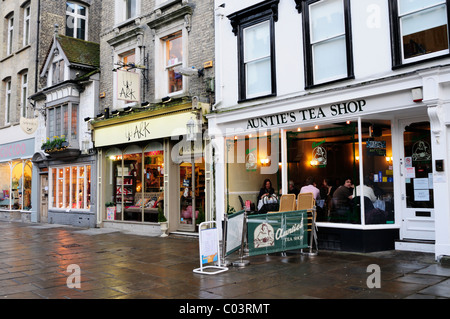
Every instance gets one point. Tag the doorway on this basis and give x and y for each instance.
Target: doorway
(192, 194)
(417, 200)
(44, 199)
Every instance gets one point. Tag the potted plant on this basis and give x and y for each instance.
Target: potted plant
(162, 222)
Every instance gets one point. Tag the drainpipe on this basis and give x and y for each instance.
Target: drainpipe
(37, 46)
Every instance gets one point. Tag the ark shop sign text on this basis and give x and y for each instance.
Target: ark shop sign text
(310, 114)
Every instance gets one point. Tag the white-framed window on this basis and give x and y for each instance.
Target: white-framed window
(328, 48)
(26, 25)
(420, 30)
(76, 20)
(255, 31)
(24, 94)
(127, 9)
(8, 102)
(9, 42)
(257, 60)
(70, 187)
(173, 61)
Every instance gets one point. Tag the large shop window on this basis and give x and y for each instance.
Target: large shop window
(251, 161)
(419, 30)
(15, 185)
(254, 28)
(70, 187)
(330, 156)
(134, 183)
(328, 51)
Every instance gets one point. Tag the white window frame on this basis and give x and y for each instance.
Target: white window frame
(247, 61)
(64, 190)
(53, 129)
(121, 10)
(8, 102)
(423, 56)
(10, 26)
(161, 70)
(24, 94)
(75, 15)
(26, 25)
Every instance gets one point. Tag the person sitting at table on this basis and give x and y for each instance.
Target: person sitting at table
(368, 191)
(310, 187)
(342, 198)
(292, 189)
(266, 189)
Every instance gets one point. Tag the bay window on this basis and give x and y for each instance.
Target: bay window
(419, 30)
(63, 121)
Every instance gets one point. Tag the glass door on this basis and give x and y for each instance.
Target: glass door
(417, 182)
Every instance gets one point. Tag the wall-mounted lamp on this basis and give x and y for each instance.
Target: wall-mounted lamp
(190, 130)
(264, 161)
(388, 159)
(87, 119)
(128, 109)
(166, 99)
(100, 116)
(115, 113)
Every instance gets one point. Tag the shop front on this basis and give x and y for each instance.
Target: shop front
(16, 174)
(370, 158)
(150, 171)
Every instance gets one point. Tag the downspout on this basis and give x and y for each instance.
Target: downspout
(37, 47)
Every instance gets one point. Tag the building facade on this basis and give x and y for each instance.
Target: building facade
(338, 90)
(157, 70)
(27, 29)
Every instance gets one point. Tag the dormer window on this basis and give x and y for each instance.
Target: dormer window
(57, 72)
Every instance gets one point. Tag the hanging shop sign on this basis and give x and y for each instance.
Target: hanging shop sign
(306, 115)
(128, 86)
(277, 232)
(29, 125)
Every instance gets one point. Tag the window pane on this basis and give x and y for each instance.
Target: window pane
(60, 194)
(74, 120)
(57, 122)
(329, 59)
(81, 188)
(174, 51)
(175, 79)
(81, 10)
(65, 130)
(88, 185)
(54, 193)
(425, 32)
(257, 41)
(70, 7)
(258, 75)
(74, 187)
(131, 9)
(67, 187)
(327, 20)
(70, 24)
(81, 29)
(406, 6)
(51, 123)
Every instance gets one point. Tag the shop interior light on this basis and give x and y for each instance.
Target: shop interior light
(314, 163)
(265, 161)
(357, 158)
(388, 159)
(316, 127)
(299, 129)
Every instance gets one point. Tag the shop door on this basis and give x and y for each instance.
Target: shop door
(192, 195)
(44, 199)
(417, 182)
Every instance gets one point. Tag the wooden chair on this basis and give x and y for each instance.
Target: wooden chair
(306, 201)
(287, 203)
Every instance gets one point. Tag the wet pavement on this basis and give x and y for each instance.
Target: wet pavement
(34, 259)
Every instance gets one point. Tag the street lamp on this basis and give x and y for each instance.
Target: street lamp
(190, 128)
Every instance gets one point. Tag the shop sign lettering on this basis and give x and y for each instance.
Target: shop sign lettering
(13, 150)
(338, 109)
(138, 131)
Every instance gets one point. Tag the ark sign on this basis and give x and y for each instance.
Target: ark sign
(306, 115)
